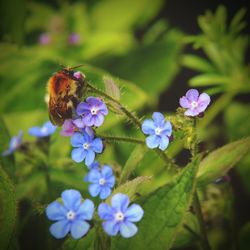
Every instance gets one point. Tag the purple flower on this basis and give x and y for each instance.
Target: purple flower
(70, 216)
(74, 38)
(119, 217)
(14, 144)
(92, 111)
(194, 103)
(44, 39)
(78, 75)
(159, 131)
(47, 129)
(102, 181)
(68, 128)
(85, 147)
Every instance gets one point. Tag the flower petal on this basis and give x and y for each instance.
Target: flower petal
(192, 95)
(97, 145)
(98, 120)
(105, 192)
(71, 199)
(106, 171)
(94, 176)
(77, 139)
(120, 202)
(148, 127)
(167, 129)
(153, 141)
(79, 229)
(184, 103)
(86, 210)
(56, 211)
(88, 120)
(90, 157)
(128, 229)
(35, 131)
(158, 117)
(134, 213)
(105, 212)
(94, 189)
(164, 142)
(191, 112)
(110, 182)
(79, 123)
(82, 108)
(111, 227)
(78, 154)
(60, 229)
(203, 102)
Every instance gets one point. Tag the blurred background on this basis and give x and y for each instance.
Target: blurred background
(155, 50)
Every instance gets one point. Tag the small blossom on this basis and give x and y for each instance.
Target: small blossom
(102, 181)
(68, 128)
(92, 111)
(44, 39)
(159, 131)
(85, 147)
(47, 129)
(194, 103)
(74, 38)
(119, 218)
(14, 144)
(71, 216)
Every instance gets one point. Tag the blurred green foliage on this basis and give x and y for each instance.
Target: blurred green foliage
(141, 68)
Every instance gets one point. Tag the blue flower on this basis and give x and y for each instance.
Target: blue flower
(119, 217)
(47, 129)
(92, 111)
(94, 165)
(85, 147)
(159, 131)
(14, 144)
(70, 216)
(102, 181)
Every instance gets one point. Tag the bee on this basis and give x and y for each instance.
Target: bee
(65, 88)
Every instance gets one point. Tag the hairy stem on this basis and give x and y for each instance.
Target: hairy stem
(121, 139)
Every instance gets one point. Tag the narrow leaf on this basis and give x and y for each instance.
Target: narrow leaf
(134, 159)
(208, 79)
(111, 88)
(220, 161)
(164, 212)
(8, 209)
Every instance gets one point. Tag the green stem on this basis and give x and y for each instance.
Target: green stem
(197, 205)
(121, 139)
(133, 118)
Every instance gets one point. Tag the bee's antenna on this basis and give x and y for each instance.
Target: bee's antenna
(80, 65)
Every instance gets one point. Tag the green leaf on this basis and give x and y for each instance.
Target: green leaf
(220, 161)
(111, 88)
(208, 79)
(197, 63)
(7, 162)
(86, 243)
(164, 211)
(8, 209)
(132, 162)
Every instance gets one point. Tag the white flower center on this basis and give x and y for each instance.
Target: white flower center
(102, 181)
(194, 104)
(158, 131)
(119, 216)
(85, 145)
(44, 130)
(71, 215)
(94, 111)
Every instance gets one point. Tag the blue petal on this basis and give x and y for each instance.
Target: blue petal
(78, 154)
(184, 103)
(55, 211)
(167, 129)
(79, 229)
(94, 189)
(90, 157)
(35, 131)
(77, 140)
(134, 213)
(86, 210)
(192, 95)
(8, 152)
(71, 199)
(49, 127)
(110, 182)
(106, 171)
(88, 120)
(164, 142)
(94, 176)
(94, 165)
(98, 120)
(105, 212)
(158, 117)
(105, 192)
(148, 127)
(153, 141)
(110, 227)
(128, 229)
(60, 229)
(97, 145)
(120, 202)
(82, 108)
